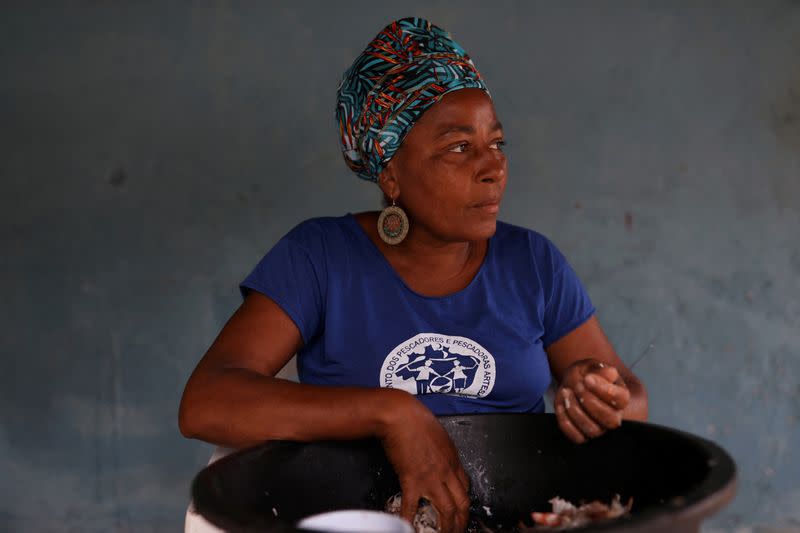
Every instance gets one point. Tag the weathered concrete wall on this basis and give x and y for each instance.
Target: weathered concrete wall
(149, 154)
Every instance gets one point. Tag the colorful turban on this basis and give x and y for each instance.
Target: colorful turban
(406, 69)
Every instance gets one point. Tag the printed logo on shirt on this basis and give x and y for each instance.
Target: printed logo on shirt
(435, 363)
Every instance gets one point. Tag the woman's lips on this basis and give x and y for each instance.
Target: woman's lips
(492, 206)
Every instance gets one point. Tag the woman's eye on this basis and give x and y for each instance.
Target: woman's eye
(460, 148)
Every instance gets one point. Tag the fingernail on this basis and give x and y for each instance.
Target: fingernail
(591, 381)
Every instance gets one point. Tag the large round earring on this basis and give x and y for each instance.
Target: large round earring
(392, 224)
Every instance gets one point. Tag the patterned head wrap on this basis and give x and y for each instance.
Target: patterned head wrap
(406, 69)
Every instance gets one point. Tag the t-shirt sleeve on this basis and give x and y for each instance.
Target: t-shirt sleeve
(292, 274)
(568, 305)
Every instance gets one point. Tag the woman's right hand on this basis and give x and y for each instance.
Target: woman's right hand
(590, 400)
(427, 464)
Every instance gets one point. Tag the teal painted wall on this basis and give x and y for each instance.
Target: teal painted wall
(151, 153)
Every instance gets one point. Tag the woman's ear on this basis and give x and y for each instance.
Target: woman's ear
(387, 181)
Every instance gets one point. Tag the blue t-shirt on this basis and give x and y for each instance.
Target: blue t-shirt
(480, 349)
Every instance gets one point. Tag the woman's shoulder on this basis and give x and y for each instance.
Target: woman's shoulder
(528, 248)
(511, 235)
(321, 224)
(318, 230)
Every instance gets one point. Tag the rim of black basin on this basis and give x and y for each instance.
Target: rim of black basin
(213, 487)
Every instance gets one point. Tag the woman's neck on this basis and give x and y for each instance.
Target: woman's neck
(428, 264)
(430, 254)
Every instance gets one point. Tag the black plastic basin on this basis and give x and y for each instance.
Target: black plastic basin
(516, 463)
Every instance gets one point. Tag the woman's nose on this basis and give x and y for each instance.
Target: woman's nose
(492, 166)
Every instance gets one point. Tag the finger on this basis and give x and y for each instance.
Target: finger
(461, 499)
(564, 423)
(409, 504)
(616, 396)
(579, 418)
(599, 411)
(445, 505)
(609, 372)
(463, 478)
(460, 473)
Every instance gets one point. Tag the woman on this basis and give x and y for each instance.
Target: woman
(429, 307)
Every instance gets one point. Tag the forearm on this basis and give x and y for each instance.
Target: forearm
(238, 408)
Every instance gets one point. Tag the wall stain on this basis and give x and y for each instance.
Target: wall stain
(118, 177)
(785, 115)
(784, 122)
(628, 220)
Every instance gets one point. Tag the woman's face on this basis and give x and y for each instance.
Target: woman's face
(450, 172)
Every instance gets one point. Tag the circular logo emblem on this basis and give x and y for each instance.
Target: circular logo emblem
(435, 363)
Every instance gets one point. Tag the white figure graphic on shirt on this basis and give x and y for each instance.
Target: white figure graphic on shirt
(458, 375)
(423, 377)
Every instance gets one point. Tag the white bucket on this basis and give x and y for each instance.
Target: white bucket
(356, 521)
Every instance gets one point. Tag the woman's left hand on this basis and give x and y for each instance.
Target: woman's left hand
(590, 400)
